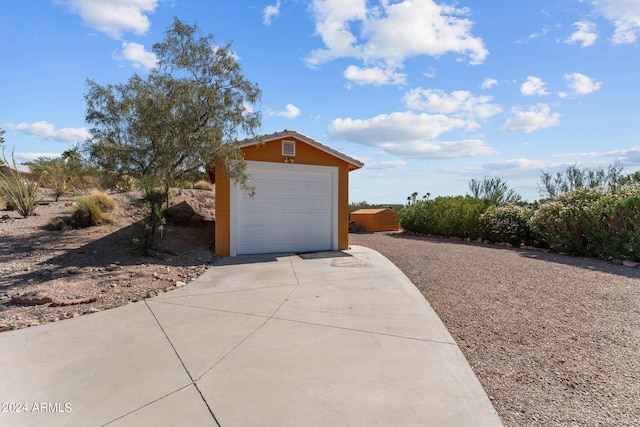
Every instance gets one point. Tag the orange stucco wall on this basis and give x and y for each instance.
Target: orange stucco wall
(272, 152)
(376, 219)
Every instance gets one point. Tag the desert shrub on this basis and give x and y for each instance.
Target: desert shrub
(203, 185)
(65, 174)
(88, 204)
(563, 222)
(104, 200)
(593, 222)
(454, 216)
(416, 217)
(617, 233)
(508, 223)
(21, 194)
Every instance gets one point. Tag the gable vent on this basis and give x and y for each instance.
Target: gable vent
(288, 148)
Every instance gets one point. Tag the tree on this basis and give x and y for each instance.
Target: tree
(493, 190)
(64, 174)
(186, 115)
(574, 178)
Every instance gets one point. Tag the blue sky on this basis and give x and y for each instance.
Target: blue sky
(427, 94)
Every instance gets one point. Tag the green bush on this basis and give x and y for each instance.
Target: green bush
(592, 222)
(617, 234)
(508, 223)
(563, 222)
(454, 216)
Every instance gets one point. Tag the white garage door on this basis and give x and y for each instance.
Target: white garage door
(295, 209)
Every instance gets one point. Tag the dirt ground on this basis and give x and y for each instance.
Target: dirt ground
(76, 265)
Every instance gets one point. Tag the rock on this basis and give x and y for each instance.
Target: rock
(184, 214)
(78, 300)
(4, 327)
(616, 261)
(93, 310)
(632, 264)
(81, 218)
(31, 299)
(180, 284)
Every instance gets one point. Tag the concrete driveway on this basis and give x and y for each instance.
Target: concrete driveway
(325, 339)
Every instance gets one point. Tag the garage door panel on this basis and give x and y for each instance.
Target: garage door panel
(293, 209)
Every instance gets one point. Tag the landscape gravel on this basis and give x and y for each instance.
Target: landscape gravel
(76, 264)
(554, 339)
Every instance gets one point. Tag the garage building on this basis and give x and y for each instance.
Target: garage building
(300, 203)
(383, 219)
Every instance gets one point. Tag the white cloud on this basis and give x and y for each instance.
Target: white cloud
(625, 156)
(389, 164)
(539, 34)
(333, 19)
(138, 56)
(537, 117)
(625, 15)
(517, 165)
(430, 73)
(459, 103)
(374, 76)
(410, 135)
(270, 12)
(533, 86)
(439, 149)
(585, 34)
(390, 32)
(290, 112)
(114, 17)
(46, 130)
(395, 126)
(488, 83)
(581, 84)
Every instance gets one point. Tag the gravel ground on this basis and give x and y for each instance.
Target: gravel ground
(96, 261)
(554, 339)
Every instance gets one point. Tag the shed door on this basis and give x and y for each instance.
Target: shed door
(294, 209)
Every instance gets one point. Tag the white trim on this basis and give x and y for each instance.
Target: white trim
(253, 165)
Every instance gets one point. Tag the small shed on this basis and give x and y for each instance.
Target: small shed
(376, 219)
(301, 201)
